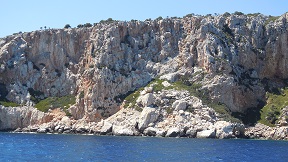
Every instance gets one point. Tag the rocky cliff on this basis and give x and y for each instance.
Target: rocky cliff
(197, 71)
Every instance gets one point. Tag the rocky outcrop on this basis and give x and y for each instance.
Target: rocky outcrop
(230, 60)
(148, 116)
(262, 131)
(13, 117)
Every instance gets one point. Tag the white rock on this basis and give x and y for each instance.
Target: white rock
(191, 132)
(148, 115)
(210, 133)
(146, 100)
(173, 132)
(148, 89)
(166, 84)
(66, 120)
(42, 130)
(223, 129)
(19, 117)
(106, 128)
(179, 105)
(122, 131)
(171, 77)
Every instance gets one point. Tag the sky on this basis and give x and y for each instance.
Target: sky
(29, 15)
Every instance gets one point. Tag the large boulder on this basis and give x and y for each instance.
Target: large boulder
(224, 129)
(173, 132)
(106, 128)
(147, 116)
(209, 133)
(171, 77)
(146, 100)
(122, 131)
(150, 131)
(179, 105)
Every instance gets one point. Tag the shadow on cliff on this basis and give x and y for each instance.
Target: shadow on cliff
(252, 115)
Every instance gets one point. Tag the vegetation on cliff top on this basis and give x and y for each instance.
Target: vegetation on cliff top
(226, 14)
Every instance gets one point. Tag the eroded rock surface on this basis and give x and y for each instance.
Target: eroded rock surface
(230, 59)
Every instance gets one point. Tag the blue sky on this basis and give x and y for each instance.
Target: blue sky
(29, 15)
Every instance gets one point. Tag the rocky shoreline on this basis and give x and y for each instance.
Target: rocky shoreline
(231, 131)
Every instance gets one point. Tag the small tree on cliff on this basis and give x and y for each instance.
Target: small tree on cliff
(87, 25)
(80, 26)
(67, 26)
(238, 13)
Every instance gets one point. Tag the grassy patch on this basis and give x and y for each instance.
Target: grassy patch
(253, 14)
(156, 84)
(8, 104)
(271, 111)
(132, 97)
(56, 102)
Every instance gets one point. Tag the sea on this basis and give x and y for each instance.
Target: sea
(64, 147)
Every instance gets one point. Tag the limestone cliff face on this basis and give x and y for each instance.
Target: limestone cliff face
(102, 63)
(13, 118)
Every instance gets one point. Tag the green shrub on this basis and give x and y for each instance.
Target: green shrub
(226, 14)
(189, 15)
(87, 25)
(169, 110)
(56, 102)
(80, 26)
(67, 26)
(238, 13)
(131, 97)
(271, 111)
(159, 18)
(8, 104)
(156, 84)
(109, 20)
(253, 14)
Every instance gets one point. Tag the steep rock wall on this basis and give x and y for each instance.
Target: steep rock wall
(101, 64)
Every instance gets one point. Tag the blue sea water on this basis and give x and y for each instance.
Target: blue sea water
(48, 147)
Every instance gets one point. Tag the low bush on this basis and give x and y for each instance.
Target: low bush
(56, 102)
(8, 104)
